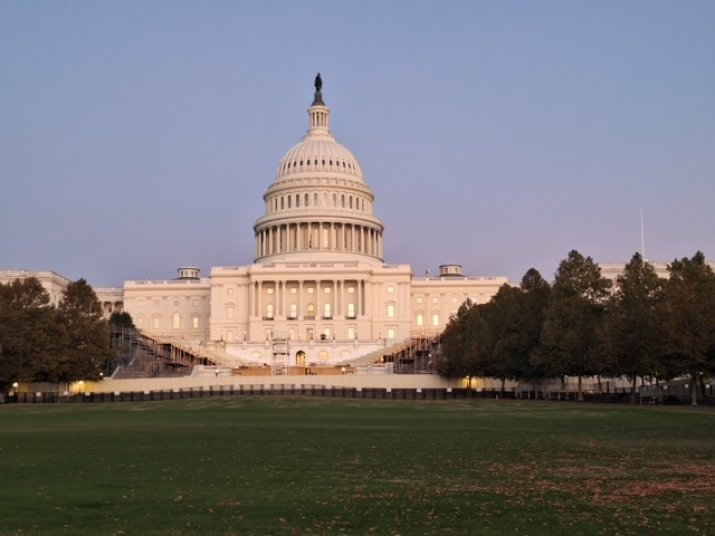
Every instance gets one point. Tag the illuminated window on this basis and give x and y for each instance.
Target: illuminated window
(269, 291)
(175, 321)
(390, 310)
(351, 290)
(420, 319)
(351, 333)
(351, 310)
(390, 333)
(269, 311)
(435, 319)
(418, 299)
(328, 310)
(195, 322)
(293, 310)
(310, 310)
(390, 290)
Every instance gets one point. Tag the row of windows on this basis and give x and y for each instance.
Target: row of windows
(195, 302)
(307, 162)
(140, 322)
(290, 201)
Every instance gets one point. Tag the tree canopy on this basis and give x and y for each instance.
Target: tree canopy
(40, 342)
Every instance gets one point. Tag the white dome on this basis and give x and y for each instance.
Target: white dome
(316, 154)
(318, 203)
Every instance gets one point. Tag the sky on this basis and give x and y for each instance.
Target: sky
(140, 136)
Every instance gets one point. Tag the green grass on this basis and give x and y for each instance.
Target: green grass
(297, 466)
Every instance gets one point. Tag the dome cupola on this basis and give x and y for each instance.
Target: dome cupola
(318, 202)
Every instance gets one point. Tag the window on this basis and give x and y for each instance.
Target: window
(175, 321)
(351, 333)
(418, 299)
(435, 300)
(229, 312)
(269, 311)
(269, 291)
(435, 319)
(390, 333)
(351, 290)
(156, 322)
(351, 310)
(293, 290)
(328, 310)
(390, 289)
(327, 290)
(229, 291)
(310, 290)
(194, 322)
(420, 319)
(293, 311)
(310, 310)
(390, 310)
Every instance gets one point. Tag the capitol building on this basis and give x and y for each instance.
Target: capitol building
(318, 284)
(318, 291)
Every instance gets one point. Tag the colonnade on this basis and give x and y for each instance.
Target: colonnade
(290, 299)
(321, 236)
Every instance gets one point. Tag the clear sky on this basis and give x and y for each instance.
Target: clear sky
(139, 136)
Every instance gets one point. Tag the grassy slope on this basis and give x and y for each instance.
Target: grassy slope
(293, 466)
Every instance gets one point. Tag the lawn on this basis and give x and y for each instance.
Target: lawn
(298, 466)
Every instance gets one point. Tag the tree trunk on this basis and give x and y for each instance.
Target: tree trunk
(580, 390)
(634, 378)
(694, 389)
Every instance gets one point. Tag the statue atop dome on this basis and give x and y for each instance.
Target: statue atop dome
(318, 98)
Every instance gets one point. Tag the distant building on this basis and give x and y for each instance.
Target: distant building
(53, 283)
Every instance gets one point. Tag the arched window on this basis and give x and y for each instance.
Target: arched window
(310, 310)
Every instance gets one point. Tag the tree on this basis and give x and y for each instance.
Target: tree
(457, 342)
(87, 335)
(572, 318)
(688, 315)
(122, 319)
(631, 330)
(30, 333)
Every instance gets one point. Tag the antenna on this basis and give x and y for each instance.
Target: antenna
(642, 236)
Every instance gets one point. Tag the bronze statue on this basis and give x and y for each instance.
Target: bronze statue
(318, 83)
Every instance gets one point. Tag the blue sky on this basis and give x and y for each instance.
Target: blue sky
(140, 136)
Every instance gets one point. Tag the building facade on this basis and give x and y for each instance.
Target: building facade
(318, 284)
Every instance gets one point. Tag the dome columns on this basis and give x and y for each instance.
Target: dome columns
(318, 236)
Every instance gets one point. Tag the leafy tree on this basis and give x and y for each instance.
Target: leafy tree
(30, 333)
(688, 315)
(122, 319)
(87, 335)
(571, 319)
(457, 343)
(631, 330)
